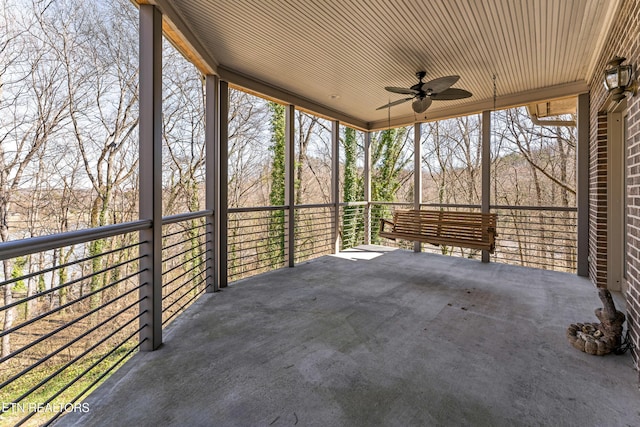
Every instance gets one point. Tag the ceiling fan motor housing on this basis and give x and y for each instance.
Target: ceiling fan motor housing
(434, 90)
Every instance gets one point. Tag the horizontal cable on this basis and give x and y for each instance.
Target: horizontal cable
(186, 292)
(265, 240)
(262, 216)
(181, 276)
(175, 267)
(67, 284)
(314, 213)
(179, 310)
(199, 247)
(314, 206)
(563, 239)
(189, 239)
(183, 231)
(246, 254)
(255, 256)
(528, 256)
(100, 377)
(75, 359)
(70, 343)
(70, 303)
(538, 233)
(252, 233)
(87, 370)
(66, 325)
(263, 231)
(532, 245)
(314, 232)
(68, 264)
(265, 260)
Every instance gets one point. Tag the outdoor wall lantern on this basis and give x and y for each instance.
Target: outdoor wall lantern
(618, 79)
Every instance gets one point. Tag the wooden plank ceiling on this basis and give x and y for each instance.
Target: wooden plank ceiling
(340, 54)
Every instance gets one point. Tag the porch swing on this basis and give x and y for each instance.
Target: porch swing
(473, 230)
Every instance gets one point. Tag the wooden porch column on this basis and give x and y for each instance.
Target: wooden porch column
(150, 153)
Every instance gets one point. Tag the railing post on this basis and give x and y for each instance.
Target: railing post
(335, 183)
(417, 174)
(367, 188)
(211, 130)
(486, 170)
(582, 180)
(289, 179)
(221, 187)
(150, 158)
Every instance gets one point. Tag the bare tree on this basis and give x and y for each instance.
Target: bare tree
(249, 156)
(34, 107)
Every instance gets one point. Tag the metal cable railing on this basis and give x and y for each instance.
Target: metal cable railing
(313, 231)
(352, 224)
(540, 237)
(66, 325)
(256, 241)
(72, 309)
(536, 236)
(184, 262)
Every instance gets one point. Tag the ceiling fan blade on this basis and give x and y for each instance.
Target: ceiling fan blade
(451, 94)
(391, 104)
(421, 105)
(402, 90)
(440, 84)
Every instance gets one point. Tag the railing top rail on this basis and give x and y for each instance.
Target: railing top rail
(257, 209)
(353, 203)
(462, 205)
(17, 248)
(172, 219)
(450, 205)
(393, 203)
(314, 205)
(537, 208)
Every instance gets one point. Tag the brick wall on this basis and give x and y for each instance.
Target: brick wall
(623, 40)
(598, 200)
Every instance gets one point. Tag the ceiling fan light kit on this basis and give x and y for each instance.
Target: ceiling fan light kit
(424, 93)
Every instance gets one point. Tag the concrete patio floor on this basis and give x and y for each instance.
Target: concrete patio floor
(377, 337)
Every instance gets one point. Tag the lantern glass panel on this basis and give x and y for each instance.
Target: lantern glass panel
(625, 76)
(611, 79)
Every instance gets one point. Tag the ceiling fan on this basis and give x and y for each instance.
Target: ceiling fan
(435, 90)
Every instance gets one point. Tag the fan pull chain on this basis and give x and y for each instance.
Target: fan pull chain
(495, 93)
